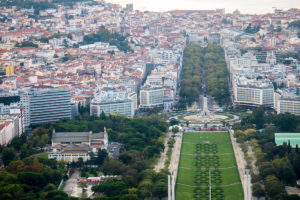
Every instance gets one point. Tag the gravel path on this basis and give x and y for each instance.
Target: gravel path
(161, 162)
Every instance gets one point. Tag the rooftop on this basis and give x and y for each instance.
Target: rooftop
(292, 138)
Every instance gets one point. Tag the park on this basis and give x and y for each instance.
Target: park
(207, 168)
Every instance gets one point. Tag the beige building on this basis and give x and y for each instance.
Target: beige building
(70, 146)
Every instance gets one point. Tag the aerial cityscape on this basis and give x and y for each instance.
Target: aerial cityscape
(133, 100)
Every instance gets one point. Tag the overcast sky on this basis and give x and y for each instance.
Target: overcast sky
(245, 6)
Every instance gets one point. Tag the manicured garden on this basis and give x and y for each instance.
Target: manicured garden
(207, 159)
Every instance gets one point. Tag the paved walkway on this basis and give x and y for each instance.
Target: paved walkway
(161, 162)
(72, 188)
(71, 183)
(240, 161)
(253, 166)
(174, 163)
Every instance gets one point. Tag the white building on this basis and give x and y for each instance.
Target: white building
(286, 101)
(10, 126)
(151, 97)
(114, 102)
(253, 92)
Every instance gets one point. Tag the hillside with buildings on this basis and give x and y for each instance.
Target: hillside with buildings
(82, 65)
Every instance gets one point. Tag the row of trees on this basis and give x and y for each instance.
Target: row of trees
(217, 74)
(277, 165)
(284, 122)
(104, 35)
(191, 82)
(211, 60)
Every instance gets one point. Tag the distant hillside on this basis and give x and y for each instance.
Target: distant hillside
(42, 5)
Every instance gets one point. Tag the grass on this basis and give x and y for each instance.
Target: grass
(43, 155)
(187, 165)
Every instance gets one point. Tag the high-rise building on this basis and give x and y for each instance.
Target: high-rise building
(48, 105)
(25, 101)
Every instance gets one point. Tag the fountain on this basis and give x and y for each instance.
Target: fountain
(205, 115)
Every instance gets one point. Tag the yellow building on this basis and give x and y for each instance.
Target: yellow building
(9, 70)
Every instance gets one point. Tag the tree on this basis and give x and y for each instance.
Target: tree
(110, 188)
(175, 130)
(125, 158)
(291, 197)
(113, 167)
(102, 115)
(80, 162)
(24, 151)
(187, 123)
(270, 129)
(284, 170)
(160, 189)
(39, 131)
(32, 179)
(102, 155)
(286, 122)
(273, 186)
(8, 154)
(266, 169)
(257, 190)
(259, 117)
(174, 121)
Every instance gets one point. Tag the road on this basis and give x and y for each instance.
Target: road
(161, 162)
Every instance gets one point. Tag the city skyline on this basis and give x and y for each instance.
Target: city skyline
(249, 7)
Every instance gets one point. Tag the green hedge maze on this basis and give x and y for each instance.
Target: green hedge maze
(207, 173)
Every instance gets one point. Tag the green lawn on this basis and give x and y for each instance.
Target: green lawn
(42, 155)
(188, 166)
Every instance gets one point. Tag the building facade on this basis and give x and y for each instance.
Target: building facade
(10, 126)
(287, 101)
(49, 105)
(70, 146)
(253, 92)
(255, 96)
(117, 102)
(151, 97)
(123, 107)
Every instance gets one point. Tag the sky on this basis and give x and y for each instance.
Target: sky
(245, 6)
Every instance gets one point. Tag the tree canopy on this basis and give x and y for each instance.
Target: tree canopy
(211, 60)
